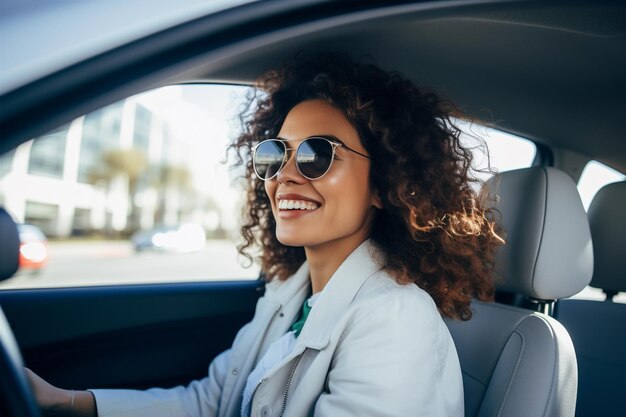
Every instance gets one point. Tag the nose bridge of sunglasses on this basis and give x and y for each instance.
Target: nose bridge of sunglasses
(296, 156)
(290, 158)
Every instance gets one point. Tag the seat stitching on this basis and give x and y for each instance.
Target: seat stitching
(517, 364)
(556, 364)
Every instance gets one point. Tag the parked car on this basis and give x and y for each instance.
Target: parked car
(551, 72)
(187, 237)
(33, 247)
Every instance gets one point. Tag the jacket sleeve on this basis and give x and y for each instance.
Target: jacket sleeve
(199, 398)
(395, 359)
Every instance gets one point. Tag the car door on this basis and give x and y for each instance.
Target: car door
(135, 336)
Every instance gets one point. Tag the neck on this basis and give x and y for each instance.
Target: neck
(325, 259)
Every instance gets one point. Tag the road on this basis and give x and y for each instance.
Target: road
(81, 263)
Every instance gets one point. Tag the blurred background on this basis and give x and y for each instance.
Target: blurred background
(131, 182)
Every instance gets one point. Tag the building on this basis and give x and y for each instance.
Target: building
(115, 170)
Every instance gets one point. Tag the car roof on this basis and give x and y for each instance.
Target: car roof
(549, 71)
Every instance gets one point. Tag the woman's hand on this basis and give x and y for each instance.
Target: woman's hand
(52, 400)
(55, 401)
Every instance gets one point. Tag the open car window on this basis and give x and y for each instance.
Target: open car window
(137, 192)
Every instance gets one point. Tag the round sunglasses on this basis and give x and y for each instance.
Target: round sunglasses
(314, 157)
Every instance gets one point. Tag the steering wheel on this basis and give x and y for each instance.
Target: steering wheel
(16, 396)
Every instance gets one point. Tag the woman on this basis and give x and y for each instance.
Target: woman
(370, 230)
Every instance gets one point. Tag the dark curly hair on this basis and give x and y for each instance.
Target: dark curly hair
(433, 229)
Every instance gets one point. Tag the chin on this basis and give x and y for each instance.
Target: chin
(291, 240)
(297, 237)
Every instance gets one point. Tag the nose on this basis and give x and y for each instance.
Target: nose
(289, 172)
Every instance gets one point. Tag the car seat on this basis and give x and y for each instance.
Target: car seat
(516, 361)
(598, 328)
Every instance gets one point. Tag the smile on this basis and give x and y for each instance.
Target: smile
(297, 205)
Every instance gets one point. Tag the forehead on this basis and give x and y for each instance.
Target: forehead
(317, 117)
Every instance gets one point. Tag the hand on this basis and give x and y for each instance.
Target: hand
(53, 401)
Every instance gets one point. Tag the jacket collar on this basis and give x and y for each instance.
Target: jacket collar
(335, 297)
(296, 286)
(338, 294)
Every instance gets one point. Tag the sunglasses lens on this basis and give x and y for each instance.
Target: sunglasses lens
(268, 158)
(314, 157)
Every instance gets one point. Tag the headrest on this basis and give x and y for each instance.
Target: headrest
(548, 252)
(9, 246)
(608, 229)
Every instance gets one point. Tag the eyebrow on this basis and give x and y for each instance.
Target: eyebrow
(331, 137)
(334, 138)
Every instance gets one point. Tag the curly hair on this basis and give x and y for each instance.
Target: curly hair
(433, 229)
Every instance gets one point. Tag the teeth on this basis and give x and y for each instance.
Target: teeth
(297, 205)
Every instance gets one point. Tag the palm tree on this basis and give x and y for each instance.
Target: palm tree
(129, 165)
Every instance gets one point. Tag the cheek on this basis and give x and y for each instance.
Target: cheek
(270, 190)
(347, 190)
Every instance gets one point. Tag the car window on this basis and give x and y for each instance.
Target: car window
(504, 151)
(596, 175)
(136, 192)
(132, 193)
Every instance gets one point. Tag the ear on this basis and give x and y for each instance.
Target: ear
(376, 202)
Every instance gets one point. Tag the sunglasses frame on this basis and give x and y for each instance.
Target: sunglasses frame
(333, 143)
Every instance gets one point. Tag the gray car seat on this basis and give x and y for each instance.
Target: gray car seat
(598, 328)
(515, 361)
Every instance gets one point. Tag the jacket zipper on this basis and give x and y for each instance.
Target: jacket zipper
(293, 371)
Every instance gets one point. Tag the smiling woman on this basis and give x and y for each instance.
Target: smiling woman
(406, 157)
(390, 215)
(368, 225)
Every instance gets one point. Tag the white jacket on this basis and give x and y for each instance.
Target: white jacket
(370, 347)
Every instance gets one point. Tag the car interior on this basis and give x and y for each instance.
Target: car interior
(528, 365)
(549, 71)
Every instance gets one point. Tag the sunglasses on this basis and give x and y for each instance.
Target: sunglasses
(314, 157)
